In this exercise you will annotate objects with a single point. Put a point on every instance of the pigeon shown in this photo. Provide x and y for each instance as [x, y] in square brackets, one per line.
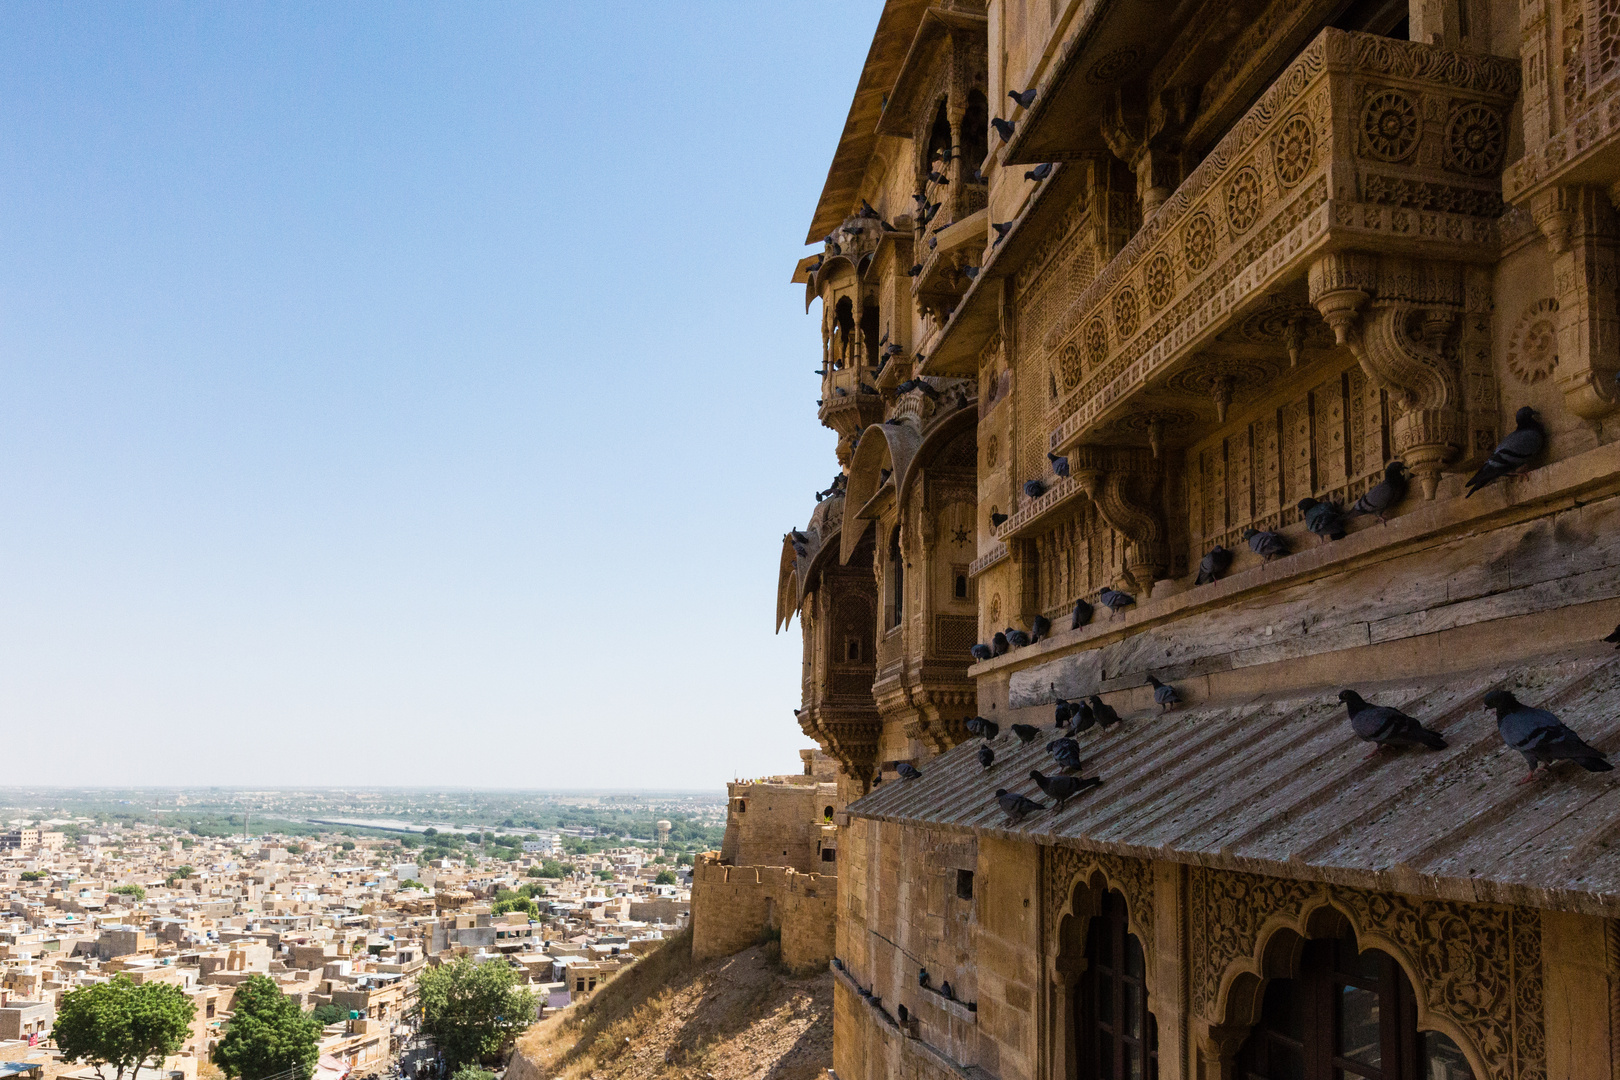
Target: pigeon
[984, 729]
[922, 978]
[907, 771]
[1104, 712]
[905, 1017]
[1039, 627]
[997, 520]
[865, 993]
[1114, 600]
[1015, 805]
[1034, 489]
[987, 757]
[1060, 464]
[1539, 736]
[1082, 614]
[1324, 519]
[1384, 726]
[970, 272]
[1214, 563]
[1025, 99]
[1004, 128]
[1165, 696]
[1512, 454]
[837, 963]
[883, 476]
[1016, 637]
[982, 652]
[1039, 172]
[1083, 719]
[1002, 229]
[1066, 752]
[937, 177]
[1614, 638]
[1062, 712]
[915, 270]
[1063, 788]
[946, 991]
[1379, 499]
[1025, 733]
[1267, 545]
[998, 644]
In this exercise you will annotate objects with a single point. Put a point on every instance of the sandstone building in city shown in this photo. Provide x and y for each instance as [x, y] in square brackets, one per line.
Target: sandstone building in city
[1218, 257]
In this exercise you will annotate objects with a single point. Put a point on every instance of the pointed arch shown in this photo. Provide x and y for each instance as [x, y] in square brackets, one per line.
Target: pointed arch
[883, 446]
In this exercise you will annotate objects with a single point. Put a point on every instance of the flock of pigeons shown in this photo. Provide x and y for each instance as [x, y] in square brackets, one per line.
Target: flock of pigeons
[1538, 735]
[1323, 519]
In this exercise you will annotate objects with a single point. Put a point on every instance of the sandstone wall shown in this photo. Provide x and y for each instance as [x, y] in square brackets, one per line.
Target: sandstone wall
[777, 824]
[733, 905]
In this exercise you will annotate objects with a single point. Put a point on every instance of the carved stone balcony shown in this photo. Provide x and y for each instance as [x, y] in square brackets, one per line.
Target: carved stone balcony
[1364, 144]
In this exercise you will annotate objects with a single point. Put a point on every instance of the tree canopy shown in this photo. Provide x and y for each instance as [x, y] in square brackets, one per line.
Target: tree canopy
[472, 1010]
[123, 1025]
[268, 1034]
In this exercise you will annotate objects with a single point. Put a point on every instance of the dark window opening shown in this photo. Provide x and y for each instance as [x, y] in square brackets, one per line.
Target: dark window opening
[1348, 1015]
[961, 586]
[852, 650]
[1387, 18]
[975, 133]
[827, 812]
[1115, 1033]
[829, 854]
[939, 138]
[869, 332]
[844, 316]
[897, 579]
[964, 884]
[742, 806]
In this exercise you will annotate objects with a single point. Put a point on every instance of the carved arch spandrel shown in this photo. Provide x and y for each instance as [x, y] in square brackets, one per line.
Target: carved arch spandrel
[1475, 968]
[1065, 870]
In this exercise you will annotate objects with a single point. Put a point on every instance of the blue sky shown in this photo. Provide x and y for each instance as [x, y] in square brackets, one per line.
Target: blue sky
[407, 393]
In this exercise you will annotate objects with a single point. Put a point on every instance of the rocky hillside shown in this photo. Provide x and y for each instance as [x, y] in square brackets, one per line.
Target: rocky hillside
[738, 1017]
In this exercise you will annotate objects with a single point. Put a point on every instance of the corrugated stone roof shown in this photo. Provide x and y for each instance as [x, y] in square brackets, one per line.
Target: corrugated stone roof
[1282, 786]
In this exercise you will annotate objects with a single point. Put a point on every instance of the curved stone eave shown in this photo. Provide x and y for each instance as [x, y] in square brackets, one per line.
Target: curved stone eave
[882, 446]
[940, 436]
[814, 562]
[787, 584]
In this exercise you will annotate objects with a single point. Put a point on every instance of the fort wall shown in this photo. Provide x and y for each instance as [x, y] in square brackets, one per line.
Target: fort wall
[734, 906]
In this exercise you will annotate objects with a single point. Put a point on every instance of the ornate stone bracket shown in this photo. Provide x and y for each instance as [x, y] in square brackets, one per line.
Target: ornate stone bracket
[1398, 316]
[1579, 226]
[1124, 486]
[1148, 141]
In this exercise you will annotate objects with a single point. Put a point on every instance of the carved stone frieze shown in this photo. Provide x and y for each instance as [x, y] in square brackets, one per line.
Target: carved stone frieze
[1579, 226]
[1476, 968]
[1064, 869]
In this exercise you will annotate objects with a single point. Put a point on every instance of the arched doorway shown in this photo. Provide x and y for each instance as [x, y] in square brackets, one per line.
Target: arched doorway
[1347, 1014]
[1116, 1037]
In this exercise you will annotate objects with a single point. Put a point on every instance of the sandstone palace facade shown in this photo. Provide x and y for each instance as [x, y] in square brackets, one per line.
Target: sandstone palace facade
[1229, 255]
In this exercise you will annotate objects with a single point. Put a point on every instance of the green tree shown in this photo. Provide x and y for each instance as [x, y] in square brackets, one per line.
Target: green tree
[327, 1014]
[34, 875]
[605, 875]
[516, 903]
[123, 1025]
[535, 871]
[412, 883]
[268, 1034]
[665, 877]
[347, 845]
[136, 891]
[472, 1010]
[472, 1072]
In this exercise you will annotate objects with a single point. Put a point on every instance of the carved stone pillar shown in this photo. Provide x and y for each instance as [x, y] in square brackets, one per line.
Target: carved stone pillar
[1149, 142]
[1579, 226]
[1397, 316]
[1218, 1045]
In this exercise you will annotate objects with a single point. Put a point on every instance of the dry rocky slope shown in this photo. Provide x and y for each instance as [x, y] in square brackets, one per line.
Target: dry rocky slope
[738, 1017]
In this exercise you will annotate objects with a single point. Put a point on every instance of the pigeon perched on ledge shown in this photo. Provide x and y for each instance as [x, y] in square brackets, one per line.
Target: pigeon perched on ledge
[1379, 499]
[1025, 98]
[1034, 489]
[1016, 806]
[1082, 614]
[1267, 545]
[984, 729]
[1016, 637]
[1114, 600]
[1066, 752]
[1039, 172]
[1540, 736]
[1060, 465]
[1026, 734]
[998, 644]
[997, 520]
[1004, 128]
[1104, 712]
[1514, 453]
[1063, 788]
[1215, 562]
[987, 758]
[1322, 518]
[1384, 726]
[1165, 696]
[1040, 626]
[907, 771]
[982, 652]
